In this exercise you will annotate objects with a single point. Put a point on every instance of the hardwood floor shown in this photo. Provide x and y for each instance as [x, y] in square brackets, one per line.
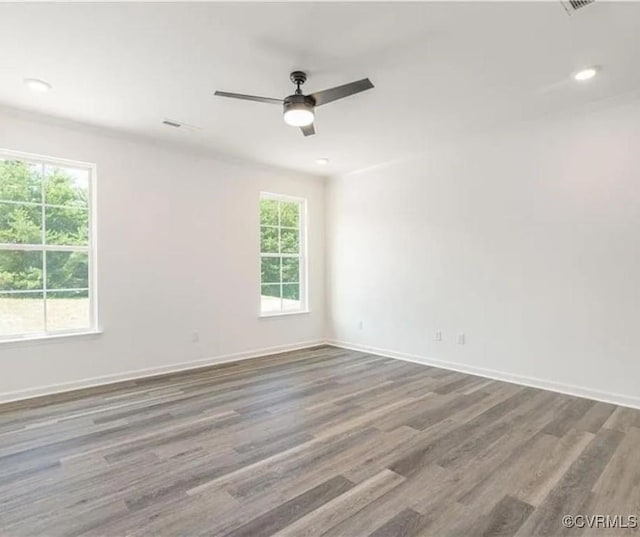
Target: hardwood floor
[321, 442]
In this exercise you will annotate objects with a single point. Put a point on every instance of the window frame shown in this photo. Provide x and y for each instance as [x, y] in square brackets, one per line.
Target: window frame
[302, 256]
[90, 248]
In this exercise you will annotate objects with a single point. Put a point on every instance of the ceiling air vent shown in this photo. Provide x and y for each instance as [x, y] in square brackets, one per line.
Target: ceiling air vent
[574, 5]
[180, 125]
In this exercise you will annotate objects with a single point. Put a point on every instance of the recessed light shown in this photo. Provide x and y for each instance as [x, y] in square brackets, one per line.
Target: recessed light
[36, 84]
[322, 161]
[585, 74]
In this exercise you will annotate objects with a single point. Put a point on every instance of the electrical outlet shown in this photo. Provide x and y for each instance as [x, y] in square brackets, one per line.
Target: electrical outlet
[460, 339]
[360, 325]
[195, 336]
[437, 336]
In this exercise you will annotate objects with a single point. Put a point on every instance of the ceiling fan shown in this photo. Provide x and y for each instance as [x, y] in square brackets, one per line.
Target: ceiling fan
[299, 109]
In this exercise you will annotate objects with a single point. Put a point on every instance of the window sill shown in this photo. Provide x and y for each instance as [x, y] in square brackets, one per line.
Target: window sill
[45, 338]
[283, 314]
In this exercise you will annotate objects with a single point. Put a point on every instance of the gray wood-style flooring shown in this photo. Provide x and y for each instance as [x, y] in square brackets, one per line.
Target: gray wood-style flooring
[321, 442]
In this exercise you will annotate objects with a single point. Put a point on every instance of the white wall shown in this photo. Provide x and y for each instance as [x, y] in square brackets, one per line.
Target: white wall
[178, 251]
[527, 241]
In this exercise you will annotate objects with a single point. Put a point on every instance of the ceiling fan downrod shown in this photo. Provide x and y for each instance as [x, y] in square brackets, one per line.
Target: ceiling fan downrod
[298, 78]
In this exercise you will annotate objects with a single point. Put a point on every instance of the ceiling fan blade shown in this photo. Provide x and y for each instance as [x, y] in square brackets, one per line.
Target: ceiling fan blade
[309, 130]
[255, 98]
[339, 92]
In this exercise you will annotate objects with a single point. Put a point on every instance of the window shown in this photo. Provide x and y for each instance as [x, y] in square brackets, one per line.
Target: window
[46, 247]
[282, 254]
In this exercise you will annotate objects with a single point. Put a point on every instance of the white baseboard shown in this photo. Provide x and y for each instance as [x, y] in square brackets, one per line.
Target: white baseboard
[153, 371]
[568, 389]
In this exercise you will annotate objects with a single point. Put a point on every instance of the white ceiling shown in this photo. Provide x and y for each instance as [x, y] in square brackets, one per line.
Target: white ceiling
[441, 70]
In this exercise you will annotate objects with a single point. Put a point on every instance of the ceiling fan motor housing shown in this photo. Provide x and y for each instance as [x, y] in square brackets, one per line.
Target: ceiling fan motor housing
[299, 102]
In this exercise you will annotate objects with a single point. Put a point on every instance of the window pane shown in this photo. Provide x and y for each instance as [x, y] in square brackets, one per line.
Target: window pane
[289, 214]
[67, 270]
[270, 270]
[268, 212]
[291, 297]
[21, 313]
[20, 181]
[271, 290]
[20, 223]
[68, 310]
[20, 271]
[290, 269]
[290, 241]
[269, 240]
[270, 299]
[66, 186]
[67, 226]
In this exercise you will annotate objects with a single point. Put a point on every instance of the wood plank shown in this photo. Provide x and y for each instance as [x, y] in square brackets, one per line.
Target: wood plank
[407, 523]
[339, 509]
[551, 465]
[505, 518]
[296, 508]
[573, 488]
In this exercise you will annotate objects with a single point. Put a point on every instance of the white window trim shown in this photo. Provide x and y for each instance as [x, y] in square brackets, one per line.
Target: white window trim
[91, 248]
[303, 256]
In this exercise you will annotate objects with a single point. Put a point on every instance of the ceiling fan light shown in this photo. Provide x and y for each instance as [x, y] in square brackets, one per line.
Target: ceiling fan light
[298, 117]
[298, 110]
